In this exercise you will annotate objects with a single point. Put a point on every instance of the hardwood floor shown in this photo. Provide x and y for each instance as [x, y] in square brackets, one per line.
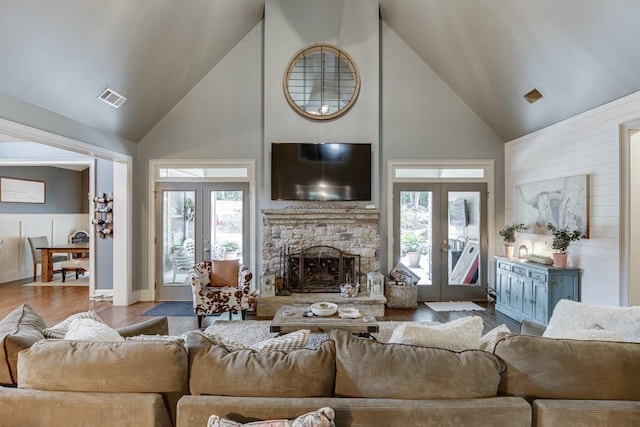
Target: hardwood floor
[55, 304]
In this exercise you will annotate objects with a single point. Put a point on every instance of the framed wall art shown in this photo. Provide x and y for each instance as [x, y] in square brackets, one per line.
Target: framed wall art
[563, 202]
[15, 190]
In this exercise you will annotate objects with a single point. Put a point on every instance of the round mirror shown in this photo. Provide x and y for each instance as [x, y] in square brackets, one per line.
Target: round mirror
[321, 82]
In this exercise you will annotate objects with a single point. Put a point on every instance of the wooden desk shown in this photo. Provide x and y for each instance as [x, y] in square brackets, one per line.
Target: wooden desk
[47, 266]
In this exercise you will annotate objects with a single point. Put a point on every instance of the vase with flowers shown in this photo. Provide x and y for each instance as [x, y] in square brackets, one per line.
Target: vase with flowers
[508, 234]
[562, 238]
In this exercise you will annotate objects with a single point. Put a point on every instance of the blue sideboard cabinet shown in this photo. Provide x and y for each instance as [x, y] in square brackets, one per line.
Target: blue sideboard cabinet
[527, 290]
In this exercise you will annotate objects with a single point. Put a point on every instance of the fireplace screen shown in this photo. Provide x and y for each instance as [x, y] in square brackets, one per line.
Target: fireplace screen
[321, 269]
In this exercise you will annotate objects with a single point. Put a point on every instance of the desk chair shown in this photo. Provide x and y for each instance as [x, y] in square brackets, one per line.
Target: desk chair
[36, 254]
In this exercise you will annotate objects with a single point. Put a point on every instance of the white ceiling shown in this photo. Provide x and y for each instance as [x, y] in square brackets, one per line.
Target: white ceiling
[59, 55]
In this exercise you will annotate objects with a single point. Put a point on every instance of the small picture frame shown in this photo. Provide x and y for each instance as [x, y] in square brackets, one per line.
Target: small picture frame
[268, 285]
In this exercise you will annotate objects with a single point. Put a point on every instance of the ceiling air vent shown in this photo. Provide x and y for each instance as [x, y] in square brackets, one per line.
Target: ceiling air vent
[112, 98]
[533, 96]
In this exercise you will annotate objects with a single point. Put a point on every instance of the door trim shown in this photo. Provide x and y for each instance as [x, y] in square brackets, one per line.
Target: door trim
[489, 178]
[155, 164]
[122, 290]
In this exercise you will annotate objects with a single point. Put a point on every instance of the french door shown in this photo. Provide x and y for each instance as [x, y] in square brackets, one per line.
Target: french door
[440, 234]
[195, 222]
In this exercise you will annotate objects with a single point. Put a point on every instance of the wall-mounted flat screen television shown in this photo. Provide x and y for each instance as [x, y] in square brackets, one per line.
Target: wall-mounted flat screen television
[324, 171]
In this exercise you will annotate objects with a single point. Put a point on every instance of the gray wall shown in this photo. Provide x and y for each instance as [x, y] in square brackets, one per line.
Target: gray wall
[104, 266]
[404, 109]
[423, 119]
[291, 25]
[64, 190]
[220, 118]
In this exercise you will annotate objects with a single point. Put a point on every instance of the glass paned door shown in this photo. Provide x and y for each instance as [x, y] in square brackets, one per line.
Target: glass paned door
[440, 231]
[197, 221]
[226, 224]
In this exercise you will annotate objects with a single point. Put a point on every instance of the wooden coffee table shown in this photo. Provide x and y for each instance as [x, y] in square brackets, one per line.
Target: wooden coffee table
[289, 318]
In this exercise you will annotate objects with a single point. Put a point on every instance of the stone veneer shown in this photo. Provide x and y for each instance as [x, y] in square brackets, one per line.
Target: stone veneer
[353, 230]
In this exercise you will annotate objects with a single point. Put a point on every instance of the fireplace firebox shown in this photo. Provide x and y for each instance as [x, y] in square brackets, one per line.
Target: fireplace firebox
[320, 269]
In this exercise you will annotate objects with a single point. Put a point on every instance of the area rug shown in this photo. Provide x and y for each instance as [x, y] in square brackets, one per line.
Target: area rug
[454, 306]
[171, 308]
[71, 281]
[249, 332]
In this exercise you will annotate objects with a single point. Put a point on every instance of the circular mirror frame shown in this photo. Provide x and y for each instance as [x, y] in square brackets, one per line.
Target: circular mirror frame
[299, 59]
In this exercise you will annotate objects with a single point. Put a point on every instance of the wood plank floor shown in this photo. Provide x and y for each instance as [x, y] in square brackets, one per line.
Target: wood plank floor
[55, 304]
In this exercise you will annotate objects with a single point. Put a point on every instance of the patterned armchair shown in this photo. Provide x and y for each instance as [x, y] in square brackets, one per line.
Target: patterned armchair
[219, 299]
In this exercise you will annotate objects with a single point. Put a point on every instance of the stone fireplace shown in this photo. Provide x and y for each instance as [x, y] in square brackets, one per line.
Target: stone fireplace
[354, 235]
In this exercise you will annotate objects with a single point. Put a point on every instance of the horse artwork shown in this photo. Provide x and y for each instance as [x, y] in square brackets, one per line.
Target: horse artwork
[562, 202]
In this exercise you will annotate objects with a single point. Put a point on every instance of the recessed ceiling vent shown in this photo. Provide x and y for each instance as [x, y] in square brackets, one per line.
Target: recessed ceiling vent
[533, 96]
[112, 98]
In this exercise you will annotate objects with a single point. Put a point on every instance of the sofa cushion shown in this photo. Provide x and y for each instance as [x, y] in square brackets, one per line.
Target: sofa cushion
[586, 413]
[569, 316]
[59, 330]
[549, 368]
[300, 373]
[323, 417]
[18, 331]
[366, 368]
[459, 334]
[128, 366]
[90, 330]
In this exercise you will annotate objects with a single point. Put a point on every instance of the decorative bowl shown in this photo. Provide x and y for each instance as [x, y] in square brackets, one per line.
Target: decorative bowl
[324, 308]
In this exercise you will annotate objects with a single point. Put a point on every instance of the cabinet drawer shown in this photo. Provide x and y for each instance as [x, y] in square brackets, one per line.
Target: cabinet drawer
[540, 277]
[519, 270]
[504, 266]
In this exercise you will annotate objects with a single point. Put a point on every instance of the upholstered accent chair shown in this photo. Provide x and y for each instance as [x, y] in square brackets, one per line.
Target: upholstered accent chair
[36, 254]
[225, 295]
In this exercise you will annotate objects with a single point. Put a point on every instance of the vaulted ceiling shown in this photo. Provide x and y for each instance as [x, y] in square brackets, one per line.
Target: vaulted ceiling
[59, 55]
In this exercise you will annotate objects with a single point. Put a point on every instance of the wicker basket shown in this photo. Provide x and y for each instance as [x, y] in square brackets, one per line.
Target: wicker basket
[401, 295]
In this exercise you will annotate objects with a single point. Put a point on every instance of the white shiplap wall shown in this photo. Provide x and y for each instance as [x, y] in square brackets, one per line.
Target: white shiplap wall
[588, 143]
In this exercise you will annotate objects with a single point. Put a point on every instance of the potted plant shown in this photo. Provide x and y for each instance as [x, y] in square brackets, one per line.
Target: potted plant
[562, 238]
[508, 234]
[413, 245]
[230, 249]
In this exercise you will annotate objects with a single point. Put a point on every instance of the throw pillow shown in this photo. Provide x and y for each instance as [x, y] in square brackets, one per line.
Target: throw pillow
[285, 343]
[58, 331]
[91, 330]
[457, 335]
[224, 272]
[488, 341]
[18, 331]
[164, 338]
[323, 417]
[571, 316]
